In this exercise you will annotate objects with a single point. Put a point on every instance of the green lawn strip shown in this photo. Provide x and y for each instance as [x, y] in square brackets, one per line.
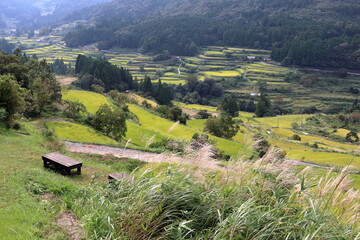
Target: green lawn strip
[170, 129]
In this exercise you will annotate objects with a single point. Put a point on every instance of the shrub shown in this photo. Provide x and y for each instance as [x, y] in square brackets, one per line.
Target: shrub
[223, 126]
[111, 123]
[296, 137]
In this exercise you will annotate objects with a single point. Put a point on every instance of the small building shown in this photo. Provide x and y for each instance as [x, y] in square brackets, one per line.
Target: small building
[255, 94]
[267, 59]
[251, 58]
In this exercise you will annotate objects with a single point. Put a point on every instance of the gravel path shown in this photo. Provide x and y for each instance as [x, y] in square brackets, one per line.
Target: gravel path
[135, 154]
[155, 157]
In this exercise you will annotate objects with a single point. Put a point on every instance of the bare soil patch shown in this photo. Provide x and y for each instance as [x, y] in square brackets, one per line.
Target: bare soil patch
[65, 80]
[68, 222]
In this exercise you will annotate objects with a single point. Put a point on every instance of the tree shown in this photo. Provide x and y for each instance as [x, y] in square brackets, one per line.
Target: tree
[74, 110]
[203, 114]
[110, 122]
[11, 99]
[352, 136]
[263, 107]
[229, 106]
[163, 94]
[223, 126]
[147, 86]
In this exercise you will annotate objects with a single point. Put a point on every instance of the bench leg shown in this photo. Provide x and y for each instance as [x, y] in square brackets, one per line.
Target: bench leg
[46, 164]
[79, 171]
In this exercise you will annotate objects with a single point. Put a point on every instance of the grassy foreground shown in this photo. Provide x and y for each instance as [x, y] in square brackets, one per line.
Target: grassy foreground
[26, 211]
[167, 201]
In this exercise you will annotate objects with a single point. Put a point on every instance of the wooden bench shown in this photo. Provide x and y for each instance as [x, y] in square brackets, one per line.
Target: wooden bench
[119, 176]
[62, 163]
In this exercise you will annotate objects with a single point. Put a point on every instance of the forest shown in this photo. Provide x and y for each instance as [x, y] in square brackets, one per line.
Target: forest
[294, 39]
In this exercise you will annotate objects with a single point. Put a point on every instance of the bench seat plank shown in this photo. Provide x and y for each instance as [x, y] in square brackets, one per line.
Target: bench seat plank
[61, 159]
[62, 163]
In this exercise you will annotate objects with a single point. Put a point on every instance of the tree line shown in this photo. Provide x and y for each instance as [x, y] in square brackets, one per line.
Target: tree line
[101, 73]
[27, 87]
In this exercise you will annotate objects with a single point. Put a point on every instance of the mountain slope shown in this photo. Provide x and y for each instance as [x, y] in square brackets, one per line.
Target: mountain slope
[36, 13]
[302, 32]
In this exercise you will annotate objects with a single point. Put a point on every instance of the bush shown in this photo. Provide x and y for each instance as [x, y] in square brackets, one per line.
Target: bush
[111, 123]
[223, 126]
[296, 137]
[202, 114]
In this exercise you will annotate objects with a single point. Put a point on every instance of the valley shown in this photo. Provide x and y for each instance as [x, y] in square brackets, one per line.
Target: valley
[184, 119]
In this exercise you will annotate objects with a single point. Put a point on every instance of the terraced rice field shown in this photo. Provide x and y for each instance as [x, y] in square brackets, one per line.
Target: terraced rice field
[178, 131]
[92, 101]
[79, 133]
[266, 73]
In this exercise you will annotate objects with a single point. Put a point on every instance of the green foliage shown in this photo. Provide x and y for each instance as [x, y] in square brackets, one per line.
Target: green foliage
[75, 110]
[198, 92]
[263, 107]
[163, 94]
[296, 137]
[111, 76]
[300, 32]
[261, 145]
[172, 113]
[147, 86]
[11, 99]
[202, 114]
[223, 126]
[5, 46]
[352, 136]
[111, 123]
[59, 67]
[230, 106]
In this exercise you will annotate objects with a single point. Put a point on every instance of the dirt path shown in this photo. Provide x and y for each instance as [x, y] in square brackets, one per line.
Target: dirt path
[297, 162]
[155, 157]
[68, 222]
[135, 154]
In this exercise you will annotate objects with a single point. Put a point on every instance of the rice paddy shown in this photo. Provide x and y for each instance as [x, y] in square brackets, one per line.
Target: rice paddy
[79, 133]
[92, 101]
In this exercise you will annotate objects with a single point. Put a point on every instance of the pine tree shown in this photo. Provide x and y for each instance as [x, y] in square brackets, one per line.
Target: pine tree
[147, 86]
[263, 107]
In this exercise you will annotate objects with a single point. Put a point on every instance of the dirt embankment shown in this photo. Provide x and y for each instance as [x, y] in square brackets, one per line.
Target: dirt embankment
[65, 80]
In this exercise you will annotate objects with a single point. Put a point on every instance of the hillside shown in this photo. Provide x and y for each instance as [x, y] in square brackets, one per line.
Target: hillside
[306, 33]
[25, 15]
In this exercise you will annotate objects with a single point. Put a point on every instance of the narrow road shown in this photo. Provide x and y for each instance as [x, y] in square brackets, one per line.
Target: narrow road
[135, 154]
[155, 157]
[182, 63]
